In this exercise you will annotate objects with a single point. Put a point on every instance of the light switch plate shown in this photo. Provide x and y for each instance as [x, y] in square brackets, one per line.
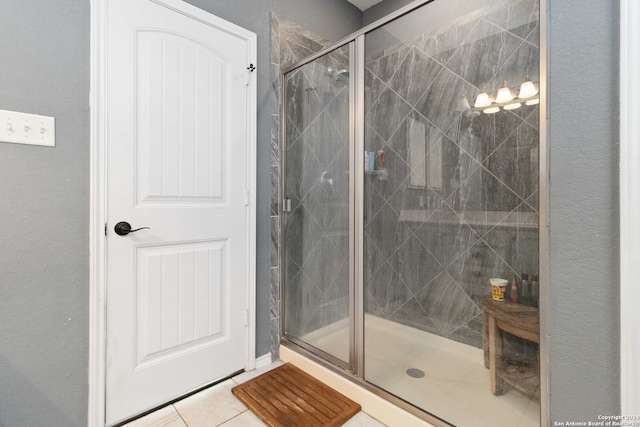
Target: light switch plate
[24, 128]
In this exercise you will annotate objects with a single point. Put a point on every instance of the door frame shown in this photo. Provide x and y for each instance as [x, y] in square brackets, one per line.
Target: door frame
[98, 186]
[629, 206]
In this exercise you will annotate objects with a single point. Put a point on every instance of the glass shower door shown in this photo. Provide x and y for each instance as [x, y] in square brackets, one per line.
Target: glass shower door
[451, 201]
[316, 250]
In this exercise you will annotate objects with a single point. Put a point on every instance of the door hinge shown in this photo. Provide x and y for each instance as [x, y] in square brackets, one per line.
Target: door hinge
[246, 318]
[247, 198]
[105, 228]
[286, 205]
[251, 68]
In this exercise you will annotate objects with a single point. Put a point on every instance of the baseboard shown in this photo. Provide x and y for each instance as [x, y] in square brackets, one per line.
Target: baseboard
[264, 360]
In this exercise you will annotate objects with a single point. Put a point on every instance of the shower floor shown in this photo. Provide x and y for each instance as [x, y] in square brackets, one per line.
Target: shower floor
[456, 383]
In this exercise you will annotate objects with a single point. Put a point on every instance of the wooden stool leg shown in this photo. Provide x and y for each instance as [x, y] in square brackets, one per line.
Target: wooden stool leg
[495, 357]
[485, 337]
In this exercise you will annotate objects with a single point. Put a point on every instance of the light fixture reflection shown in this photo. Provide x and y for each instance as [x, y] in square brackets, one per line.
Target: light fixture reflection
[527, 90]
[491, 110]
[504, 95]
[512, 106]
[533, 101]
[482, 100]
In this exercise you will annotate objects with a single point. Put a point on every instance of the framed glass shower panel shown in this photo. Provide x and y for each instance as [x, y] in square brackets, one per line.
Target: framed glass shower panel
[450, 201]
[316, 227]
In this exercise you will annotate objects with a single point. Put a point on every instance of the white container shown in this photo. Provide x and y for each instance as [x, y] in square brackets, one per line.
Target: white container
[498, 288]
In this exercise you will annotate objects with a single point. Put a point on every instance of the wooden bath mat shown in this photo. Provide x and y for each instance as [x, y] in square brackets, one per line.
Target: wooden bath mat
[287, 397]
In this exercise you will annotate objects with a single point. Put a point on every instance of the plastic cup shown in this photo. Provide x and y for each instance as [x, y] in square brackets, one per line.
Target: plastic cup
[498, 288]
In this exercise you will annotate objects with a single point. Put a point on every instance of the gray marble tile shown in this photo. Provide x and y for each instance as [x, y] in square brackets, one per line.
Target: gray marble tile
[387, 114]
[483, 53]
[386, 231]
[385, 67]
[453, 310]
[448, 238]
[301, 234]
[276, 84]
[275, 190]
[443, 45]
[275, 337]
[521, 64]
[534, 36]
[513, 247]
[323, 264]
[302, 103]
[444, 102]
[414, 264]
[414, 76]
[338, 111]
[412, 314]
[515, 161]
[327, 313]
[475, 267]
[534, 117]
[519, 17]
[275, 139]
[386, 290]
[469, 333]
[275, 292]
[323, 140]
[373, 87]
[275, 239]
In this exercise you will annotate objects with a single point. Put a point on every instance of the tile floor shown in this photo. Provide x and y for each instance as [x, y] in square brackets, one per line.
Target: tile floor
[216, 406]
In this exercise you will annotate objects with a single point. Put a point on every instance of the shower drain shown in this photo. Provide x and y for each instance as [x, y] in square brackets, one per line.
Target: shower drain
[415, 373]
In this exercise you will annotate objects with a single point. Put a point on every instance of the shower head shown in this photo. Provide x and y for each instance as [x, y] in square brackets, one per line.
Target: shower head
[336, 74]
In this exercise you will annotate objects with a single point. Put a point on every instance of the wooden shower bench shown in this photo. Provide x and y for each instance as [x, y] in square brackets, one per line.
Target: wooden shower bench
[521, 321]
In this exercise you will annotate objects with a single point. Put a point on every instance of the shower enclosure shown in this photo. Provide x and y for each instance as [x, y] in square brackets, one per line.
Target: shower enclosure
[410, 178]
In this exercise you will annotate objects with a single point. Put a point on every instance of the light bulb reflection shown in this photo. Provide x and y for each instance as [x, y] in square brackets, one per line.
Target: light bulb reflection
[482, 100]
[504, 95]
[491, 110]
[527, 90]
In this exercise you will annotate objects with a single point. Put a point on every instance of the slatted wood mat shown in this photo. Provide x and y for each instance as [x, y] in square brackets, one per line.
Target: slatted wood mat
[288, 397]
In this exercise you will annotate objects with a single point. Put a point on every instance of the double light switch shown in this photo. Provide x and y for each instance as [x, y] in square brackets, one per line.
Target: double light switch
[24, 128]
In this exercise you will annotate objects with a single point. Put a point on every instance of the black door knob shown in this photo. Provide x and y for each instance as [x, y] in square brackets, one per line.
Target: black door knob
[123, 228]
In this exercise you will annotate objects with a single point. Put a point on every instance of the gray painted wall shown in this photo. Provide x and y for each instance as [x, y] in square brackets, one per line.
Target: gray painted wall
[44, 212]
[584, 211]
[583, 134]
[44, 193]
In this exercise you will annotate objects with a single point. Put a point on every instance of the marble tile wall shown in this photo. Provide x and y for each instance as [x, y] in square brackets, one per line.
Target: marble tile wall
[465, 209]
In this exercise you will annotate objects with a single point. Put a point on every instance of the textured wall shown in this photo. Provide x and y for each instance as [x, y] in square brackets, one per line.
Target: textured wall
[44, 248]
[583, 68]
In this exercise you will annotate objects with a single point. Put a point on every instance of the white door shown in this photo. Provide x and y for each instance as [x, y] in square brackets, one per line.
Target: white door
[179, 146]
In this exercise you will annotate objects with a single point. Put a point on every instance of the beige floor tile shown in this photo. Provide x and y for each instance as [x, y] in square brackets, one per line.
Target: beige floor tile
[210, 407]
[246, 419]
[246, 376]
[165, 417]
[362, 420]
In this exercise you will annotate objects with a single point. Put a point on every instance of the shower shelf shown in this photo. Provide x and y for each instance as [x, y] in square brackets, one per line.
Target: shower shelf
[488, 218]
[382, 174]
